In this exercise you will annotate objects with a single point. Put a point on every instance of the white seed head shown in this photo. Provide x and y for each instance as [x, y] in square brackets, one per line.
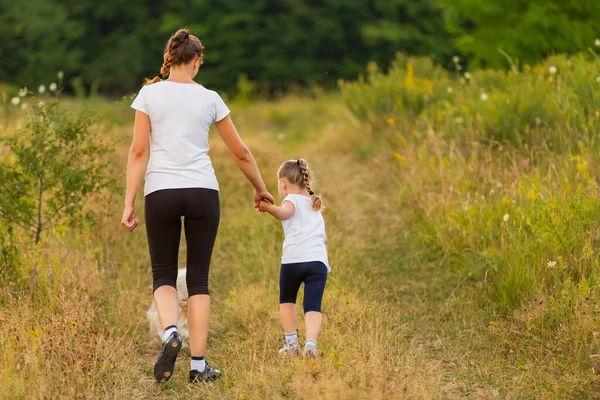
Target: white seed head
[552, 69]
[52, 87]
[505, 218]
[60, 75]
[597, 42]
[456, 59]
[42, 89]
[449, 89]
[483, 96]
[15, 101]
[467, 75]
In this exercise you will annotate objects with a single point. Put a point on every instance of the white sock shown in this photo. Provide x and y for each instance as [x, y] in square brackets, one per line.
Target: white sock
[310, 342]
[198, 364]
[168, 331]
[291, 338]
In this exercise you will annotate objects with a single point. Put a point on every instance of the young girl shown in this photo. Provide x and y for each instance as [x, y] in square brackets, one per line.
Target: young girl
[304, 254]
[174, 115]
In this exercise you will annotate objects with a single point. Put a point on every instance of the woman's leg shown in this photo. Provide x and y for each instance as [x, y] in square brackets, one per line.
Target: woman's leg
[201, 223]
[163, 210]
[314, 286]
[163, 227]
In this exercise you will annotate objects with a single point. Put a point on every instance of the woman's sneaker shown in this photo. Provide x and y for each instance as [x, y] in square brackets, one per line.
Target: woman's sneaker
[165, 363]
[310, 351]
[288, 350]
[209, 374]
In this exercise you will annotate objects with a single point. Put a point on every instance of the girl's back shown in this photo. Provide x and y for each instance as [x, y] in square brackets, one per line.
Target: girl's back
[304, 233]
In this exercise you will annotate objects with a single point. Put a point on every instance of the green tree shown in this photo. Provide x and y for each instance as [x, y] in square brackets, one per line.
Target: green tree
[54, 165]
[527, 30]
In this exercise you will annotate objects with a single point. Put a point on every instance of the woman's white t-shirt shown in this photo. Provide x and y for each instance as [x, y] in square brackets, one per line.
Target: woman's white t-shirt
[304, 233]
[181, 115]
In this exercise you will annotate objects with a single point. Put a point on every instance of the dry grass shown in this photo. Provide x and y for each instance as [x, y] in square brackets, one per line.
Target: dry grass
[399, 321]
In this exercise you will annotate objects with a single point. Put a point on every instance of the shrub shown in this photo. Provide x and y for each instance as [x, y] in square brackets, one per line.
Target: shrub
[54, 165]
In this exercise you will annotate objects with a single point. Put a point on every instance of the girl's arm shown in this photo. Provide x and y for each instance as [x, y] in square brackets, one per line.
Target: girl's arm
[281, 213]
[243, 158]
[136, 166]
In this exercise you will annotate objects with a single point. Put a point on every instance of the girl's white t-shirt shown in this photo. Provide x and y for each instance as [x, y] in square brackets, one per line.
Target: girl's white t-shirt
[304, 233]
[181, 115]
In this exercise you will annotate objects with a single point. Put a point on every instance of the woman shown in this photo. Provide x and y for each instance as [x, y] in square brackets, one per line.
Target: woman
[175, 116]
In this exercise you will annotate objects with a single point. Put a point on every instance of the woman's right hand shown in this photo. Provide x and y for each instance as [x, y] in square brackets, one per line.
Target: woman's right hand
[263, 195]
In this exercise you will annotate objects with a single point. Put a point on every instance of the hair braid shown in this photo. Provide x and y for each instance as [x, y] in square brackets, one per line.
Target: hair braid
[181, 48]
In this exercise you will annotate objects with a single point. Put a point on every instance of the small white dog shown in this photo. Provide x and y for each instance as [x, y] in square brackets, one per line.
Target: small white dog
[156, 329]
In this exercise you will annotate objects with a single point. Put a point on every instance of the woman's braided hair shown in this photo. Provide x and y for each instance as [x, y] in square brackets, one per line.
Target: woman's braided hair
[181, 48]
[297, 173]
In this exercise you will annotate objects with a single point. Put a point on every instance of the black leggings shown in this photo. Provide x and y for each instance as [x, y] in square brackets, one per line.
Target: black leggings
[314, 276]
[201, 213]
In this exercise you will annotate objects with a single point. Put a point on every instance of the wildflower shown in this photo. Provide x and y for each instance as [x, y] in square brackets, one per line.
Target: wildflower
[598, 79]
[42, 89]
[22, 92]
[52, 87]
[462, 80]
[24, 106]
[456, 59]
[505, 218]
[15, 101]
[467, 75]
[551, 264]
[449, 89]
[390, 121]
[60, 75]
[483, 96]
[597, 42]
[552, 69]
[281, 136]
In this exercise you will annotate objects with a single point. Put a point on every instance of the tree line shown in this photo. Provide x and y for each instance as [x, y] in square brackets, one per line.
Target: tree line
[110, 46]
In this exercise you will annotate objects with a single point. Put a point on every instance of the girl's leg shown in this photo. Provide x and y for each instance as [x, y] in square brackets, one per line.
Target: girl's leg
[313, 319]
[201, 223]
[290, 279]
[314, 286]
[287, 312]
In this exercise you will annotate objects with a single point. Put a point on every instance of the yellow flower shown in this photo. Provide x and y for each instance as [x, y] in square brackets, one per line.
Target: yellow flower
[390, 121]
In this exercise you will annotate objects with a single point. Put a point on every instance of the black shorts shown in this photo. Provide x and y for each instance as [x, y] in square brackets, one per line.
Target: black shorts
[164, 210]
[314, 276]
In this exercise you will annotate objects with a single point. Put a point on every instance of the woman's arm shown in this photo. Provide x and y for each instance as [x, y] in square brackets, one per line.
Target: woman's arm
[136, 166]
[243, 158]
[281, 213]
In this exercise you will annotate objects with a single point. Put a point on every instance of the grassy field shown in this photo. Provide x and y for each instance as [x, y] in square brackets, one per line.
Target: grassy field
[463, 266]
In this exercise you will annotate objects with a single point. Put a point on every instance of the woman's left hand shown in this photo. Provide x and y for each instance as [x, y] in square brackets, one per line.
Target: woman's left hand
[129, 220]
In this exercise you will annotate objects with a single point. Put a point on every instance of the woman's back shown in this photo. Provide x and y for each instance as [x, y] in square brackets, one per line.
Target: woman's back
[181, 115]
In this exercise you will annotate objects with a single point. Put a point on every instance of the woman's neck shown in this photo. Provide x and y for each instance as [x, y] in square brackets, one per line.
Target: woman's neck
[180, 75]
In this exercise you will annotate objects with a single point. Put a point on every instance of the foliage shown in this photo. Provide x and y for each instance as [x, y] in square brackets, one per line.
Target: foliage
[54, 166]
[112, 45]
[525, 31]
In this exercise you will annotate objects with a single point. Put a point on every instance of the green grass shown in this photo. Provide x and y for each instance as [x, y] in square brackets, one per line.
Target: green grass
[432, 295]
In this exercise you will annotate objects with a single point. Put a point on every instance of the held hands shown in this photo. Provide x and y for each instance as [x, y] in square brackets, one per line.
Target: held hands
[262, 197]
[129, 220]
[263, 206]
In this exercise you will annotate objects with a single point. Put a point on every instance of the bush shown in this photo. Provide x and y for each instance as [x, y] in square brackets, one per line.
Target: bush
[54, 165]
[409, 87]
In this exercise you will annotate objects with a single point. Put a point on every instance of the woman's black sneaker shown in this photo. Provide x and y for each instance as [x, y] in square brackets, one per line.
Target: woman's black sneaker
[165, 363]
[209, 374]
